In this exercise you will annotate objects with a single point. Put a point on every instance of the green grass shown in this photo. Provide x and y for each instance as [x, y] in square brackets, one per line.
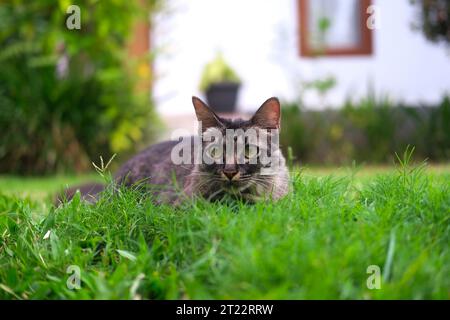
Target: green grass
[316, 243]
[39, 188]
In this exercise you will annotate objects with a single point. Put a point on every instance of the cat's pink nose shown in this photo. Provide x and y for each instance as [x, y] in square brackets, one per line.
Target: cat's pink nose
[230, 174]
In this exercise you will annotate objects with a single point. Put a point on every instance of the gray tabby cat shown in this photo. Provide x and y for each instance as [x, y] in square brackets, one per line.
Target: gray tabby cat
[223, 177]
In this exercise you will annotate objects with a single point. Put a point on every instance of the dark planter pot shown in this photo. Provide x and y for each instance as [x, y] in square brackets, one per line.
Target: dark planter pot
[222, 96]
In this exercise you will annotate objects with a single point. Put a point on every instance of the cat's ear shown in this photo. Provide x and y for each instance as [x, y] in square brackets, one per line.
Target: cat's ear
[268, 115]
[204, 114]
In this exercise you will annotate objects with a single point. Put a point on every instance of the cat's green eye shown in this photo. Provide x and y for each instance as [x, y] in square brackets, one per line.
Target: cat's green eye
[251, 151]
[215, 153]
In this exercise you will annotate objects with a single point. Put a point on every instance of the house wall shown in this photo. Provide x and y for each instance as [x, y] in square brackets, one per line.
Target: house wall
[260, 40]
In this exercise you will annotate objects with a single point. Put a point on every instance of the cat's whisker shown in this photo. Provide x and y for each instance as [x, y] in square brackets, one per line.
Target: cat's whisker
[264, 184]
[206, 182]
[202, 183]
[248, 185]
[215, 194]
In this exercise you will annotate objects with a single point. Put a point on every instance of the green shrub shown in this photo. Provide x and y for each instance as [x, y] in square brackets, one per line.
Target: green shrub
[375, 119]
[68, 96]
[439, 131]
[216, 71]
[370, 131]
[292, 133]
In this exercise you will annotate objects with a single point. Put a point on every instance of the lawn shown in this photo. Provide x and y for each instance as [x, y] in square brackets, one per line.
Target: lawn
[316, 243]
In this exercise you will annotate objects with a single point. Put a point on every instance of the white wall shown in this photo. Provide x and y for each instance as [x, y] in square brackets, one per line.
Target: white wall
[259, 39]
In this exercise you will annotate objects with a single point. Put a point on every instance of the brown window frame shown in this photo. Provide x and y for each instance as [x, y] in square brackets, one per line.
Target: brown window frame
[365, 47]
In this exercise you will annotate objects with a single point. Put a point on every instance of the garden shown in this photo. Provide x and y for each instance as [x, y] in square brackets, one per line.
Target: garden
[368, 215]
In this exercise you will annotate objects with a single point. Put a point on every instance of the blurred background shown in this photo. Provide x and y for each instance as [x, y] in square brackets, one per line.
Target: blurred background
[358, 79]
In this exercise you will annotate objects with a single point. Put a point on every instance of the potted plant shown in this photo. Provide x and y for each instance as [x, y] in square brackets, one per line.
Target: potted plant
[220, 83]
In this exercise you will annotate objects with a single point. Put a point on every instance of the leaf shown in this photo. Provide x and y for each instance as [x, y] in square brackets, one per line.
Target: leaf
[47, 235]
[9, 290]
[9, 252]
[127, 254]
[389, 258]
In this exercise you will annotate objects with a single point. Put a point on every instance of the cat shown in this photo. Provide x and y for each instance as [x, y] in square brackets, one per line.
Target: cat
[218, 173]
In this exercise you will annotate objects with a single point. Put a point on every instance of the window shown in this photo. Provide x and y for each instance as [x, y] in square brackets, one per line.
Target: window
[334, 27]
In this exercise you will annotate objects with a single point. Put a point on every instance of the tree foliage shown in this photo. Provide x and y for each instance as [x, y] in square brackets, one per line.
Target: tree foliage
[68, 96]
[434, 19]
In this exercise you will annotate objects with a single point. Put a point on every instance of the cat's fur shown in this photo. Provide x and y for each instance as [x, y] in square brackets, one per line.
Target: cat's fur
[154, 170]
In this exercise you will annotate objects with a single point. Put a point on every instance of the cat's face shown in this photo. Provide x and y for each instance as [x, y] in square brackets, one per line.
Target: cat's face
[239, 155]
